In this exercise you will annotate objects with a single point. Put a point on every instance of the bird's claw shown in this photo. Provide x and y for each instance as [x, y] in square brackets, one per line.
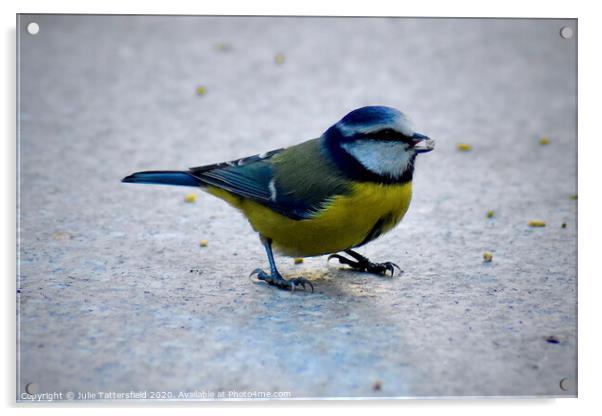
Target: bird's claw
[342, 260]
[383, 268]
[256, 271]
[282, 283]
[364, 265]
[300, 281]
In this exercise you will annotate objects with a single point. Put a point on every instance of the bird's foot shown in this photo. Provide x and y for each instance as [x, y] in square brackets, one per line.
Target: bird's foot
[280, 282]
[362, 264]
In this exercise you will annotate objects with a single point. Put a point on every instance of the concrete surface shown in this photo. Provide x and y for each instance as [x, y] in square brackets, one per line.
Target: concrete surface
[116, 295]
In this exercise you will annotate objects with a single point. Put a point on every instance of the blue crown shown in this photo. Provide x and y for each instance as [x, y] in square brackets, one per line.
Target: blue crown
[370, 115]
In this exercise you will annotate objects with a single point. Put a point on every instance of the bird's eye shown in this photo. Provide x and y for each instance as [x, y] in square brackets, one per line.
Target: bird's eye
[390, 134]
[387, 133]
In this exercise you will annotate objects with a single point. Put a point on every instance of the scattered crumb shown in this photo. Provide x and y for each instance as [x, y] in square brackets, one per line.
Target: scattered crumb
[298, 260]
[544, 140]
[552, 340]
[61, 236]
[563, 225]
[279, 58]
[223, 47]
[200, 90]
[191, 197]
[490, 213]
[487, 256]
[203, 243]
[377, 385]
[464, 147]
[537, 223]
[574, 197]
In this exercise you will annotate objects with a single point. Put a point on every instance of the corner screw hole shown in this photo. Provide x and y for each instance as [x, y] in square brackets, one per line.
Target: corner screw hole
[565, 384]
[566, 32]
[33, 28]
[31, 388]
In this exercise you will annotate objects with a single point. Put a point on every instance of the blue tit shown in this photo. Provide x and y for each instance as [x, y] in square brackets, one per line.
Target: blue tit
[327, 195]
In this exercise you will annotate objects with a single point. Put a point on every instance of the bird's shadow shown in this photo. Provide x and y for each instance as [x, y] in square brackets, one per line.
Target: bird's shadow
[332, 282]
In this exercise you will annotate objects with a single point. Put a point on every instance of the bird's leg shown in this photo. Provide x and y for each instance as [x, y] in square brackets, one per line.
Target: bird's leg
[363, 264]
[275, 278]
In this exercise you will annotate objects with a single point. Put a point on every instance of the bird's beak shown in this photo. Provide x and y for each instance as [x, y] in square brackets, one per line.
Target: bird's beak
[422, 143]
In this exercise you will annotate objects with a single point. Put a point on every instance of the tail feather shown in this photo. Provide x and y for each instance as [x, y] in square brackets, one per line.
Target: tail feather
[163, 177]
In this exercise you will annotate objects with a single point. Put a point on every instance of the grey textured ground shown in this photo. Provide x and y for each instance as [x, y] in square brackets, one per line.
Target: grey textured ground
[107, 298]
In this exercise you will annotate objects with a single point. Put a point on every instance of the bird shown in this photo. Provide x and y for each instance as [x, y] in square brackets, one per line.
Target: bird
[328, 195]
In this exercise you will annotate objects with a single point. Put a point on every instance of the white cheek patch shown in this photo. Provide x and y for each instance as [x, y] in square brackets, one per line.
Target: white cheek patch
[380, 157]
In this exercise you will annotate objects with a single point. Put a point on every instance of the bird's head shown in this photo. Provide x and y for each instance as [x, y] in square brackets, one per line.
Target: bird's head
[376, 143]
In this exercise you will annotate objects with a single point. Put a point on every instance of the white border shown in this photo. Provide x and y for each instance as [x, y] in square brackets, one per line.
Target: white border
[590, 209]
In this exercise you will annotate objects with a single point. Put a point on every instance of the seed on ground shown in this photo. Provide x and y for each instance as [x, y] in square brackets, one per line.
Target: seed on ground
[537, 223]
[191, 197]
[223, 47]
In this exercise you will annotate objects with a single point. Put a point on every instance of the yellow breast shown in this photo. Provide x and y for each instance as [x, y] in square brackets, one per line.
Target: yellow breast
[348, 220]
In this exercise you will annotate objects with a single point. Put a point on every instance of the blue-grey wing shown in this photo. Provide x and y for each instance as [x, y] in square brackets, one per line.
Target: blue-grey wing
[248, 177]
[295, 183]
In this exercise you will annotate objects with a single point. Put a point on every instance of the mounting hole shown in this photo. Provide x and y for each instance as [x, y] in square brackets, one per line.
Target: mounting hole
[565, 384]
[33, 28]
[31, 388]
[566, 32]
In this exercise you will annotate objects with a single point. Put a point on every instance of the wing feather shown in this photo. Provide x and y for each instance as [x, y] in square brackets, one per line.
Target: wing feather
[296, 182]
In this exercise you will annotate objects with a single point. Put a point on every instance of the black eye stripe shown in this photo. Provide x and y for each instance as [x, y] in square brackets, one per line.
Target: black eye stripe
[389, 134]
